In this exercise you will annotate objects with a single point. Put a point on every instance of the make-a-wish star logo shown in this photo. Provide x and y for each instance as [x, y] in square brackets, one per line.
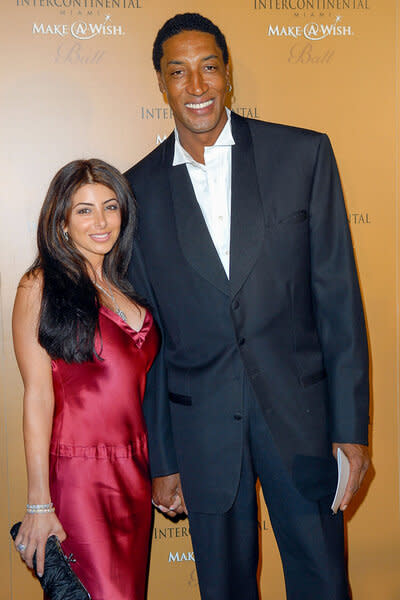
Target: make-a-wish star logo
[311, 31]
[81, 30]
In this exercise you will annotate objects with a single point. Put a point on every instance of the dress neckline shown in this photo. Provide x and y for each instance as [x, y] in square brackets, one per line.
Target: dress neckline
[138, 335]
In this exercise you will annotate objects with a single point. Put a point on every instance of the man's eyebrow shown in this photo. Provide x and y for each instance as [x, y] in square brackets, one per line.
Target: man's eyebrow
[181, 62]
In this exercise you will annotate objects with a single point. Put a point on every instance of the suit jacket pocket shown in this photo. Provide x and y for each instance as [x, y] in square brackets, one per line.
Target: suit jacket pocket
[297, 217]
[180, 399]
[307, 380]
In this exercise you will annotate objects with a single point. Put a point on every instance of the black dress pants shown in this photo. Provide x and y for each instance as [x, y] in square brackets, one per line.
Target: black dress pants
[309, 537]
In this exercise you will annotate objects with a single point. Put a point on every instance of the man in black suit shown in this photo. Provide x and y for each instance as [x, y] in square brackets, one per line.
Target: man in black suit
[244, 254]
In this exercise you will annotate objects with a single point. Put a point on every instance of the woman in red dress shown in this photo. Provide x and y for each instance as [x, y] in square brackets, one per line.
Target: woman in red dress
[84, 345]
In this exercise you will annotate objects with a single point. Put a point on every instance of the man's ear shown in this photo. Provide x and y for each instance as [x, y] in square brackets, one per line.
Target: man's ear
[228, 74]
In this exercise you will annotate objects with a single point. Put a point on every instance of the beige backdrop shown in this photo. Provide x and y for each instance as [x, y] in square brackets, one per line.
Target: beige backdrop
[71, 88]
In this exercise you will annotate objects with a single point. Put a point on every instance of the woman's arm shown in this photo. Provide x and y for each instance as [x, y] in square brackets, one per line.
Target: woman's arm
[35, 367]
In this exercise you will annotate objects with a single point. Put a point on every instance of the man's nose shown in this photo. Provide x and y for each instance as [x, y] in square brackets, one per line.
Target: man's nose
[197, 86]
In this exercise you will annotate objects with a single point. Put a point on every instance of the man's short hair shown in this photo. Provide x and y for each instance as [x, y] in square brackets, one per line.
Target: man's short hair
[187, 22]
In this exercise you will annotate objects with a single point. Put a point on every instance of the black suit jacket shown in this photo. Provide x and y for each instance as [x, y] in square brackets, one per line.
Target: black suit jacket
[290, 317]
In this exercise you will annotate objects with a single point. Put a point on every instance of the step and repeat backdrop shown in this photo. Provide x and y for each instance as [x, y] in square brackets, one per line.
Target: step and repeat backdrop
[77, 81]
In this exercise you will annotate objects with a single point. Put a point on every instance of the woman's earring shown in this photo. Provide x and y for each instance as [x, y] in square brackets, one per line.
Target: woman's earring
[66, 236]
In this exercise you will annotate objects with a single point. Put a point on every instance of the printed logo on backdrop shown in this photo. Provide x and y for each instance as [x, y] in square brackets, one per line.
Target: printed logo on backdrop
[179, 557]
[314, 32]
[359, 218]
[263, 526]
[89, 23]
[160, 138]
[76, 35]
[323, 23]
[183, 558]
[176, 559]
[309, 37]
[161, 534]
[80, 5]
[170, 533]
[80, 30]
[311, 7]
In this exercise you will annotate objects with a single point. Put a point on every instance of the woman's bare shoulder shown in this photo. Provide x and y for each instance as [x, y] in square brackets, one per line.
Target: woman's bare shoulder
[29, 291]
[33, 360]
[32, 279]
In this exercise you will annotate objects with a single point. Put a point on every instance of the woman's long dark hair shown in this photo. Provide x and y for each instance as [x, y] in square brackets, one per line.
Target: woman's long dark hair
[70, 302]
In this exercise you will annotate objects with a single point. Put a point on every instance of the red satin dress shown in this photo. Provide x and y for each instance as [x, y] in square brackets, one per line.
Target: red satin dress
[99, 475]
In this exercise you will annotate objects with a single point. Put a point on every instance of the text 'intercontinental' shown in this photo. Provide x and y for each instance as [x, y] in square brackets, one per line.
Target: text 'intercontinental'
[77, 4]
[311, 4]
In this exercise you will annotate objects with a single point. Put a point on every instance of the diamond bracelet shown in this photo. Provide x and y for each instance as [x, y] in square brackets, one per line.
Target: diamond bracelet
[40, 508]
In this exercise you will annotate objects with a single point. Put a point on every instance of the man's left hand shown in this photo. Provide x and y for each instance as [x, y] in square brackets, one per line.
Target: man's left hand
[358, 456]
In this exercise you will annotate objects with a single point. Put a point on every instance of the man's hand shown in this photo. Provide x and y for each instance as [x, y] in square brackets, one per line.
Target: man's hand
[359, 462]
[168, 496]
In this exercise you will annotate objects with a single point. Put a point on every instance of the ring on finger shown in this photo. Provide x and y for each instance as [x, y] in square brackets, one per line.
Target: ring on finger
[21, 547]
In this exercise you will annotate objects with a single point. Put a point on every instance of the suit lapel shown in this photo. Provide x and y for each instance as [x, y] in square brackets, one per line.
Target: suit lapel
[193, 234]
[247, 217]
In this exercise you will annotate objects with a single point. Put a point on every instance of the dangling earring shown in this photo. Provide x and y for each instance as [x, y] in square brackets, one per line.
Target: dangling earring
[229, 87]
[66, 236]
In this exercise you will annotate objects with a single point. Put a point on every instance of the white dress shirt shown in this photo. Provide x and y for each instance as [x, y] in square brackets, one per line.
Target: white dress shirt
[212, 186]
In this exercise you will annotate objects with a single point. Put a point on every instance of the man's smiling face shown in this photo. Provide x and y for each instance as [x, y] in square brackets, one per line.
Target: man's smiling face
[194, 78]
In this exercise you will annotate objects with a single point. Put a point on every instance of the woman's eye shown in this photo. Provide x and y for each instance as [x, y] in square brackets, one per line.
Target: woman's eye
[83, 211]
[113, 207]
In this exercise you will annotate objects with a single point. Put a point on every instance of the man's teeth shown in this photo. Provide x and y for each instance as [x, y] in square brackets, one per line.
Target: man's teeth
[200, 104]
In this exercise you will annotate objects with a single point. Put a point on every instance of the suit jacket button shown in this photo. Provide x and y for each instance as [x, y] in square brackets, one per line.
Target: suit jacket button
[237, 417]
[235, 304]
[241, 341]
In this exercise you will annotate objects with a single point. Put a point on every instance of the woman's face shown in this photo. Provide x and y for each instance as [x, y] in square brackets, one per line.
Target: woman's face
[94, 221]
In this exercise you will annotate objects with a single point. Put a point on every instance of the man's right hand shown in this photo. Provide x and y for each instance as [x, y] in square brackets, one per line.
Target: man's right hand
[168, 496]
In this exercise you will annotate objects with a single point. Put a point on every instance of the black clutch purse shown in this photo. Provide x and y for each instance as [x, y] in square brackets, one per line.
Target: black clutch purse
[59, 582]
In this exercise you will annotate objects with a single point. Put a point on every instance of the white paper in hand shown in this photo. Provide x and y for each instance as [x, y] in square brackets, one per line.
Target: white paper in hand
[343, 477]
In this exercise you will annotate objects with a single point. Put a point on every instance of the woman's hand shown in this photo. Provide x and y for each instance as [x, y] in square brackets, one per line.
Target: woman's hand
[33, 534]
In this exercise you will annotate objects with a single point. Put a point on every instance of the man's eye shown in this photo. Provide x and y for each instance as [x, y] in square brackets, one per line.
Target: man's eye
[176, 73]
[210, 68]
